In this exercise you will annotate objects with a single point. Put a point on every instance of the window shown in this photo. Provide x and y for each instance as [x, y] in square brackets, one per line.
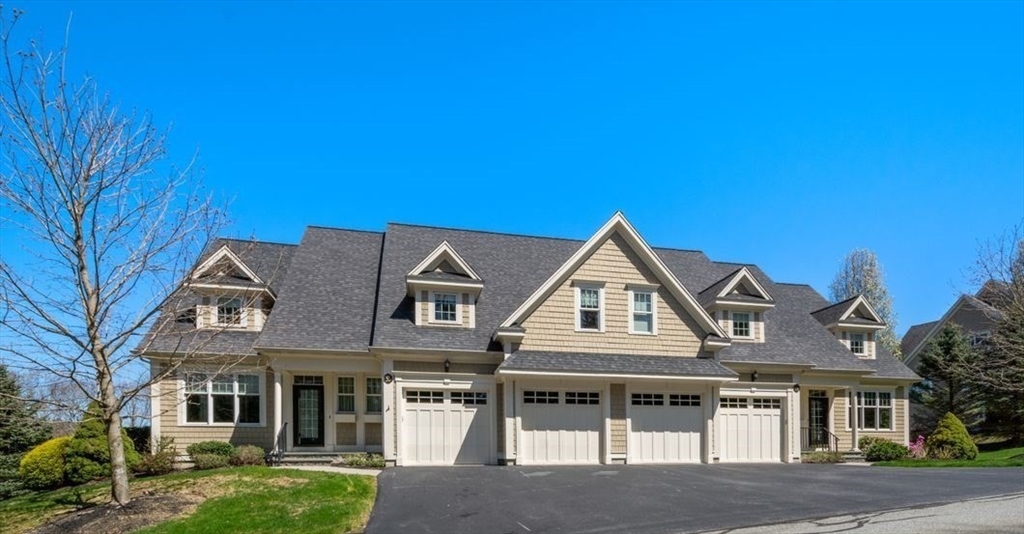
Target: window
[741, 324]
[643, 312]
[874, 410]
[684, 400]
[648, 399]
[346, 394]
[767, 404]
[589, 304]
[424, 397]
[223, 399]
[469, 398]
[733, 402]
[540, 397]
[229, 311]
[374, 390]
[582, 397]
[979, 338]
[444, 307]
[857, 343]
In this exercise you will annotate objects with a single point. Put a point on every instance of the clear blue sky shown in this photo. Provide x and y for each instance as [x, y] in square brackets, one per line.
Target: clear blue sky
[778, 134]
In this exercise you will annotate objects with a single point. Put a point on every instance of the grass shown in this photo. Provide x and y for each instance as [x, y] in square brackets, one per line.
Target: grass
[1001, 458]
[247, 499]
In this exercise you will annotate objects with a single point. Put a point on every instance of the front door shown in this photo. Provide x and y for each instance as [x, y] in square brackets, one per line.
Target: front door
[309, 415]
[819, 422]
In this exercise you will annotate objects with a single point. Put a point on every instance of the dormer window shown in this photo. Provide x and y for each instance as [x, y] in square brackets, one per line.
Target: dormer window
[445, 307]
[857, 343]
[229, 311]
[741, 324]
[589, 308]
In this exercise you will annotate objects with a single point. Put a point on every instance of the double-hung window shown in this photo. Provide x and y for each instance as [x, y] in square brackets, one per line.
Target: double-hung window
[229, 311]
[346, 394]
[642, 309]
[374, 395]
[857, 342]
[741, 324]
[588, 308]
[874, 410]
[222, 399]
[445, 307]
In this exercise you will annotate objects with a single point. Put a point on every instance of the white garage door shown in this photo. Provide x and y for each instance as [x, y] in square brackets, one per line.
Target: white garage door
[665, 428]
[561, 427]
[751, 429]
[446, 427]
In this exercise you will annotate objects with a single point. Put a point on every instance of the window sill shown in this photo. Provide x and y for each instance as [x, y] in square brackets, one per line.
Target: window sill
[373, 418]
[589, 331]
[649, 334]
[344, 418]
[222, 425]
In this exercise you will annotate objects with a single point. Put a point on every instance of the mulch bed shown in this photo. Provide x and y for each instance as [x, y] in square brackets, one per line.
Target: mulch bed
[142, 511]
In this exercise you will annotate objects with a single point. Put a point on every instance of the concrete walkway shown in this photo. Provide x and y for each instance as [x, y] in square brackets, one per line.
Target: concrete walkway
[332, 469]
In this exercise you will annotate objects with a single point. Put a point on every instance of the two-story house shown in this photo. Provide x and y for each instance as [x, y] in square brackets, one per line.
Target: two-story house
[438, 346]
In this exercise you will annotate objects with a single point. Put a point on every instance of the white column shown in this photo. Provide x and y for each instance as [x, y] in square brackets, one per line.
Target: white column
[278, 410]
[606, 443]
[361, 411]
[854, 421]
[793, 398]
[390, 409]
[154, 406]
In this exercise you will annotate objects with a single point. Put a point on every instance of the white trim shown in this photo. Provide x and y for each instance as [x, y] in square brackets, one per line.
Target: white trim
[181, 385]
[744, 273]
[600, 305]
[891, 390]
[431, 312]
[225, 252]
[857, 302]
[444, 248]
[618, 223]
[557, 374]
[750, 326]
[653, 292]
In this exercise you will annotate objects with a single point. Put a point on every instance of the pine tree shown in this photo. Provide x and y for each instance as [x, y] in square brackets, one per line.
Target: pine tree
[20, 430]
[949, 385]
[861, 274]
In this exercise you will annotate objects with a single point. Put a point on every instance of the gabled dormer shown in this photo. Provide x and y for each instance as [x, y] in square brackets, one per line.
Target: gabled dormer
[445, 289]
[738, 302]
[854, 323]
[231, 294]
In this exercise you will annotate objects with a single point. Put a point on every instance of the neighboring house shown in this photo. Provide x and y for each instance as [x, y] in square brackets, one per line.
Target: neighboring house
[975, 314]
[438, 346]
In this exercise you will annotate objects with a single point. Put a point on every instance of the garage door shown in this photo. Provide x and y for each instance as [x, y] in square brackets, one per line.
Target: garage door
[561, 427]
[751, 429]
[446, 427]
[665, 427]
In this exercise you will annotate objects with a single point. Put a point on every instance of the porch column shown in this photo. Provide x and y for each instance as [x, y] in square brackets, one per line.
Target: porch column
[278, 410]
[854, 421]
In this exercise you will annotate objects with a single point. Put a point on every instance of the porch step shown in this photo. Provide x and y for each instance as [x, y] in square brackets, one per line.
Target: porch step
[852, 457]
[309, 458]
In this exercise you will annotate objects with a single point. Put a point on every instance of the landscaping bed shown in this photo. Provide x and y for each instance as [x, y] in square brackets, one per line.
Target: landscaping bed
[1002, 458]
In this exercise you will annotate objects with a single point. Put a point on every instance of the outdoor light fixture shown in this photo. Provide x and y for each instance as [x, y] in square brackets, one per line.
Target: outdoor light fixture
[796, 388]
[753, 376]
[447, 365]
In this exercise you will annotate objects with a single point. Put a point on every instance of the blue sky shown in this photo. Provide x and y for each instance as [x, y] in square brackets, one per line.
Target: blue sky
[778, 134]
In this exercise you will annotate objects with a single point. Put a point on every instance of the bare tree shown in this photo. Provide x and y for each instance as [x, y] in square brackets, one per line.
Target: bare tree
[861, 274]
[999, 270]
[107, 231]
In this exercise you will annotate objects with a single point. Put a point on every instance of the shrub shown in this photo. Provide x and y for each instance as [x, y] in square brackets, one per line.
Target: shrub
[950, 441]
[865, 442]
[249, 455]
[209, 461]
[88, 453]
[140, 436]
[883, 450]
[219, 448]
[918, 450]
[43, 466]
[160, 462]
[374, 461]
[823, 457]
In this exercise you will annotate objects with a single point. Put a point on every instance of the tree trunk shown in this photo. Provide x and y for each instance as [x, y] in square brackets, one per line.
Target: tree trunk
[118, 466]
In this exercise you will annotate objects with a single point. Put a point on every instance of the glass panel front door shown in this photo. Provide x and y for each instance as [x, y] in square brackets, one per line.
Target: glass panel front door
[819, 422]
[309, 415]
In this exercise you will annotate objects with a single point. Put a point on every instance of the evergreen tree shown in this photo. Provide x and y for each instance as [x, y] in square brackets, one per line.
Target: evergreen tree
[949, 386]
[861, 274]
[20, 430]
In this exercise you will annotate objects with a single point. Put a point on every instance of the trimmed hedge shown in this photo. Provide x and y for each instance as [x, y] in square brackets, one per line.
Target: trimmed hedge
[209, 461]
[43, 467]
[883, 450]
[950, 441]
[219, 448]
[249, 455]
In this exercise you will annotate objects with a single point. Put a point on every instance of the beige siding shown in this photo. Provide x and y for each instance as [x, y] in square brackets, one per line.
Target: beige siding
[552, 326]
[346, 434]
[618, 423]
[185, 435]
[465, 309]
[373, 434]
[424, 308]
[839, 405]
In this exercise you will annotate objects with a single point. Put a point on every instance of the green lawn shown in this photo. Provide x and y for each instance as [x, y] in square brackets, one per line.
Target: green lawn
[249, 499]
[1002, 458]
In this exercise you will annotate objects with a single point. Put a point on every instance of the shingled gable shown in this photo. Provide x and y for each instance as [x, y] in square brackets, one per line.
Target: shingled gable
[444, 255]
[224, 255]
[619, 224]
[932, 328]
[852, 311]
[740, 286]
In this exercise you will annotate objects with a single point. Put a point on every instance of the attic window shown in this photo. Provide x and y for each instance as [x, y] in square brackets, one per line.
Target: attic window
[444, 307]
[588, 304]
[857, 342]
[741, 324]
[229, 311]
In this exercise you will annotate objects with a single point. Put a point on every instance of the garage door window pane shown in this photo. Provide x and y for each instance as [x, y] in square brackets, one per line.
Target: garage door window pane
[540, 397]
[733, 402]
[424, 397]
[684, 400]
[582, 397]
[469, 398]
[648, 399]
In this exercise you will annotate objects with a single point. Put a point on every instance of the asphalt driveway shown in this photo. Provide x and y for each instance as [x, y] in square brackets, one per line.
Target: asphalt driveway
[660, 498]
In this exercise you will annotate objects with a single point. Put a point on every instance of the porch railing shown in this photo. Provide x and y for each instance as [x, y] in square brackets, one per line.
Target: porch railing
[276, 455]
[816, 439]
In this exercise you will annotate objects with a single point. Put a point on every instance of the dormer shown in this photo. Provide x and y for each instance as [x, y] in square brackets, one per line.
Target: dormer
[854, 323]
[444, 289]
[231, 294]
[738, 302]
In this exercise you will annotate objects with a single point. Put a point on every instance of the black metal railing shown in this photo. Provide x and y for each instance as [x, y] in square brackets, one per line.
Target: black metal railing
[818, 439]
[280, 442]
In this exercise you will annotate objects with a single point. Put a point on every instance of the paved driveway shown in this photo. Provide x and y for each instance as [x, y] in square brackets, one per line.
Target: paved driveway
[659, 498]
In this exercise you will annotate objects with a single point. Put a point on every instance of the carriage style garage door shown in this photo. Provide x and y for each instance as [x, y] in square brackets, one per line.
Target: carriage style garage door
[441, 427]
[665, 427]
[750, 429]
[561, 427]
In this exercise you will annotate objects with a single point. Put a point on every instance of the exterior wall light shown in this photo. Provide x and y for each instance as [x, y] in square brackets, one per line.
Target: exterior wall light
[447, 365]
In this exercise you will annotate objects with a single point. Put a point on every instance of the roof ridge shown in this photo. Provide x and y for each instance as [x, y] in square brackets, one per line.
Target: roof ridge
[798, 284]
[338, 229]
[844, 301]
[257, 241]
[492, 232]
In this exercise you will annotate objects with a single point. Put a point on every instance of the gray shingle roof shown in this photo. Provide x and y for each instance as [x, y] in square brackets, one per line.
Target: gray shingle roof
[830, 314]
[327, 302]
[614, 364]
[914, 336]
